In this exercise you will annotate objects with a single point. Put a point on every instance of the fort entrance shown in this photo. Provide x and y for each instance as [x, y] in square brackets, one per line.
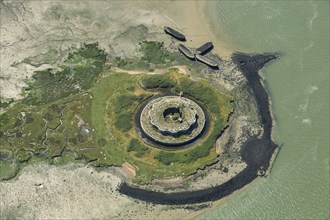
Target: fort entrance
[172, 120]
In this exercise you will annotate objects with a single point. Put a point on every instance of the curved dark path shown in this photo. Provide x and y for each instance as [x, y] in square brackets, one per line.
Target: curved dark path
[255, 152]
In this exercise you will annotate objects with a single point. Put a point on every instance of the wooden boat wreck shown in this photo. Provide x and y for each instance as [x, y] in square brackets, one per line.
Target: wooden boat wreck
[206, 60]
[204, 48]
[174, 33]
[186, 51]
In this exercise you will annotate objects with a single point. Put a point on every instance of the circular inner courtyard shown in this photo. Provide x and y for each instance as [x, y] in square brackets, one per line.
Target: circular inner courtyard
[172, 120]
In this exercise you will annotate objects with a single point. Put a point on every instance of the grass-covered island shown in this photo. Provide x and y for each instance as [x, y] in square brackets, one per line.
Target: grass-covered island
[87, 110]
[75, 78]
[84, 111]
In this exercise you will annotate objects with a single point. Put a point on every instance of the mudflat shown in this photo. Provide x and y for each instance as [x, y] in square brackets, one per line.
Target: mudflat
[44, 34]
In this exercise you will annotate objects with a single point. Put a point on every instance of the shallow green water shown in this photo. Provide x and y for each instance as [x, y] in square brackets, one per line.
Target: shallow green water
[298, 187]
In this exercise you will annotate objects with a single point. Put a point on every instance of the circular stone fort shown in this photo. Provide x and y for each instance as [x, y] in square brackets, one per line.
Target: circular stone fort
[172, 120]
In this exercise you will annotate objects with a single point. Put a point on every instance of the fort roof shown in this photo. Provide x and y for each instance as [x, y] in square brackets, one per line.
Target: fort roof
[172, 120]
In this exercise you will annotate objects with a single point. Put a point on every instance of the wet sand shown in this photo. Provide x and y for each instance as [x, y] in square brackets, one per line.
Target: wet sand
[75, 191]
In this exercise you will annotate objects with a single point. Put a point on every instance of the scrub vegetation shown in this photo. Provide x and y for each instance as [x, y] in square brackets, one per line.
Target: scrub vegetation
[217, 104]
[169, 163]
[139, 149]
[158, 82]
[154, 52]
[154, 55]
[78, 73]
[84, 113]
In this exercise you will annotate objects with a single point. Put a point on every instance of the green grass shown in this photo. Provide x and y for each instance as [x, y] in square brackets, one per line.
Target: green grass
[23, 136]
[6, 104]
[165, 163]
[45, 124]
[107, 110]
[79, 72]
[154, 55]
[106, 93]
[158, 81]
[218, 105]
[124, 121]
[4, 119]
[202, 92]
[139, 148]
[124, 111]
[8, 170]
[48, 125]
[24, 155]
[124, 102]
[154, 52]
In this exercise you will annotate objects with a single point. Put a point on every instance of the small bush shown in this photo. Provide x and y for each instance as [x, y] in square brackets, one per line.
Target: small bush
[29, 118]
[6, 104]
[124, 121]
[4, 119]
[121, 62]
[102, 142]
[154, 52]
[165, 157]
[23, 155]
[124, 102]
[131, 88]
[154, 82]
[201, 92]
[140, 149]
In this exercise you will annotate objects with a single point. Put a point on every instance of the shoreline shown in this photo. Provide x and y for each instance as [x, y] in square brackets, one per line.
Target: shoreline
[256, 152]
[199, 32]
[196, 26]
[219, 48]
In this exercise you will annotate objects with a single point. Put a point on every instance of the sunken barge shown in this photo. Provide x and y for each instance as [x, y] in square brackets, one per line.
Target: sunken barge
[195, 54]
[204, 48]
[183, 49]
[174, 33]
[206, 60]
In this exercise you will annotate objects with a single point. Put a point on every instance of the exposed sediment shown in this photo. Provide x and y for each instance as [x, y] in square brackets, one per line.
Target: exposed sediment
[256, 151]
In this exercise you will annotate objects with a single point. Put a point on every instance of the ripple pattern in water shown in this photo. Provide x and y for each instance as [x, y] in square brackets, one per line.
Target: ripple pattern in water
[298, 187]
